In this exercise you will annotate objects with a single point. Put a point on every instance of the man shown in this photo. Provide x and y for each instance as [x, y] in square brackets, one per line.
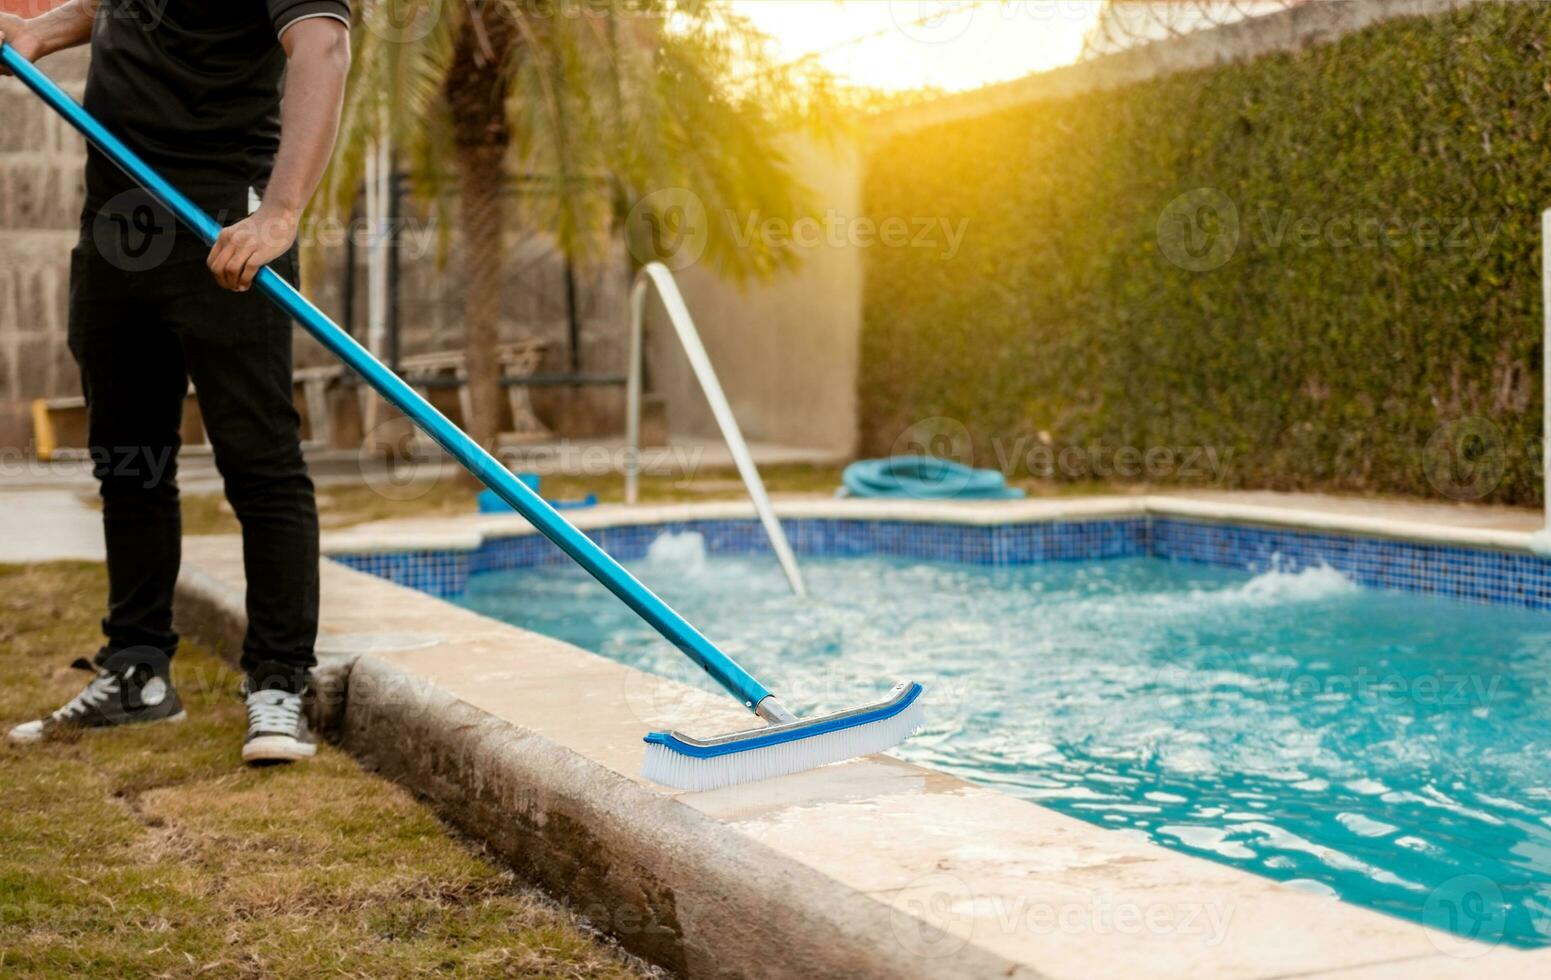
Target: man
[195, 87]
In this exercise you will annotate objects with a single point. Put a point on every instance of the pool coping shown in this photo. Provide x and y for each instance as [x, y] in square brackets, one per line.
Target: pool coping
[533, 746]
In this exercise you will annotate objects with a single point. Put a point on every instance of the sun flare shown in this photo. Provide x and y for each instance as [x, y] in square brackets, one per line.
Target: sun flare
[945, 44]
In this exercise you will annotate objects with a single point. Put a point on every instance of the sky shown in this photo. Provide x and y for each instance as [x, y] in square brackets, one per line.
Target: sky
[947, 44]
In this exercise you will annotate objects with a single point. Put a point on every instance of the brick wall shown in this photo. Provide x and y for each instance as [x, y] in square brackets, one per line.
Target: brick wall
[40, 199]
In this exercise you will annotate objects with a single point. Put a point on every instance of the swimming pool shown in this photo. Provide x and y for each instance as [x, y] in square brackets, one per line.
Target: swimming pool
[1392, 749]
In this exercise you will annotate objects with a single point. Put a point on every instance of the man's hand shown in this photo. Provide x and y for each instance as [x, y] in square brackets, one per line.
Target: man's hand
[318, 53]
[318, 59]
[63, 27]
[249, 245]
[16, 32]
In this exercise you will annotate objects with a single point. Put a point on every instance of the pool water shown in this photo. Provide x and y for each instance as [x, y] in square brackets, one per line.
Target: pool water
[1390, 749]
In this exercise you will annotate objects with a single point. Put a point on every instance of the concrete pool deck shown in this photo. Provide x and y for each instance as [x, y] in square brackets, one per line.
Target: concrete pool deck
[869, 868]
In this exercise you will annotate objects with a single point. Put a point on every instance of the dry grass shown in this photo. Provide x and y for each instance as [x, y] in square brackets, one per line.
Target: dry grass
[342, 506]
[153, 852]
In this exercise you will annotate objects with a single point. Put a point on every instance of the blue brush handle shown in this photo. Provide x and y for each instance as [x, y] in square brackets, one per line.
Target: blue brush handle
[739, 682]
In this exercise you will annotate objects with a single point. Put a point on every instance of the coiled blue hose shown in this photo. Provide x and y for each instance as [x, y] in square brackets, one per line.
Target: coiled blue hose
[924, 478]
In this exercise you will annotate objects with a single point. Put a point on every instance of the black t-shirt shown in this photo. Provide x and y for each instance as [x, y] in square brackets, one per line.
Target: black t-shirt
[193, 86]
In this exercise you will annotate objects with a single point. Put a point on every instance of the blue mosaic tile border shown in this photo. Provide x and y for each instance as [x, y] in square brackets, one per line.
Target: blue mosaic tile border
[441, 573]
[1468, 574]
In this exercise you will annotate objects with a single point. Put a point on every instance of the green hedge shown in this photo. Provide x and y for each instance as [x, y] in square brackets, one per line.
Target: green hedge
[1374, 326]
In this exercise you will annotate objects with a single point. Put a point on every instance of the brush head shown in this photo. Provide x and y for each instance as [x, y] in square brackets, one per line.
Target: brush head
[685, 762]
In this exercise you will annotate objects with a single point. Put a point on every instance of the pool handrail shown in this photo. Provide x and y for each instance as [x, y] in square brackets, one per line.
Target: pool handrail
[656, 274]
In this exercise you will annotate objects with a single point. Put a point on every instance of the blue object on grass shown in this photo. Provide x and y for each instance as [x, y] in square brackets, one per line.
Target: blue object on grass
[924, 478]
[490, 502]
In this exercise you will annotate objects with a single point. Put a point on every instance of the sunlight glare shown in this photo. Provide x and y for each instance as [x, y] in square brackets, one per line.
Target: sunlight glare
[906, 44]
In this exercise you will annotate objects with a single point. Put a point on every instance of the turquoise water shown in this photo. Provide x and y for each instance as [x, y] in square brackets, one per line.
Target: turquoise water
[1389, 749]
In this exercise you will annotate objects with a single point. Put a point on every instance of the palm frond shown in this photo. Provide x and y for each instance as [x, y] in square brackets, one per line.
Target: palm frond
[605, 103]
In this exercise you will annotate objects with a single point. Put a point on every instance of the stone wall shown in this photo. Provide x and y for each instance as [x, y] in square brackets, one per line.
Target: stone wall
[40, 201]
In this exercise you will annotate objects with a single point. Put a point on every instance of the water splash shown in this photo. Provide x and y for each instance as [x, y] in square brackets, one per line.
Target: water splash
[682, 554]
[1540, 541]
[1276, 586]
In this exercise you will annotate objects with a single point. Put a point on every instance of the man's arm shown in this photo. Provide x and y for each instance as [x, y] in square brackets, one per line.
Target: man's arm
[63, 27]
[319, 53]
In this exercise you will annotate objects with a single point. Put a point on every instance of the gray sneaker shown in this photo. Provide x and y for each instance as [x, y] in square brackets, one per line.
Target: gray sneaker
[277, 728]
[134, 694]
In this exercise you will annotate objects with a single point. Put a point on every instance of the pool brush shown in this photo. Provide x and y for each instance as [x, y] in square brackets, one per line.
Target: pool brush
[784, 745]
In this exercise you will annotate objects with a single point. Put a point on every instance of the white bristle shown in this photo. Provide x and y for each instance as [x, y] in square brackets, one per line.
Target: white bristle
[663, 765]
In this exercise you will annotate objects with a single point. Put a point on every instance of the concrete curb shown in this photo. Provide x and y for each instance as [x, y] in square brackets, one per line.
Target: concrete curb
[672, 885]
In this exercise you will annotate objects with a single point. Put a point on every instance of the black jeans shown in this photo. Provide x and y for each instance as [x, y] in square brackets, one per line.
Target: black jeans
[146, 317]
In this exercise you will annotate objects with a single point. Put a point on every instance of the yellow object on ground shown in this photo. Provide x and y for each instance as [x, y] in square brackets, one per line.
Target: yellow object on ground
[42, 429]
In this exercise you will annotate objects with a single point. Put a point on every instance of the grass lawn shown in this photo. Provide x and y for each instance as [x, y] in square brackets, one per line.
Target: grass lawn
[344, 505]
[154, 852]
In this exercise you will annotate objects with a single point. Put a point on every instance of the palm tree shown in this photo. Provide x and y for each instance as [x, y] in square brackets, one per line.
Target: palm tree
[601, 102]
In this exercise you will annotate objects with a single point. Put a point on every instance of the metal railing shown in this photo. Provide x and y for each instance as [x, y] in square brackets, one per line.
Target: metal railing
[657, 274]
